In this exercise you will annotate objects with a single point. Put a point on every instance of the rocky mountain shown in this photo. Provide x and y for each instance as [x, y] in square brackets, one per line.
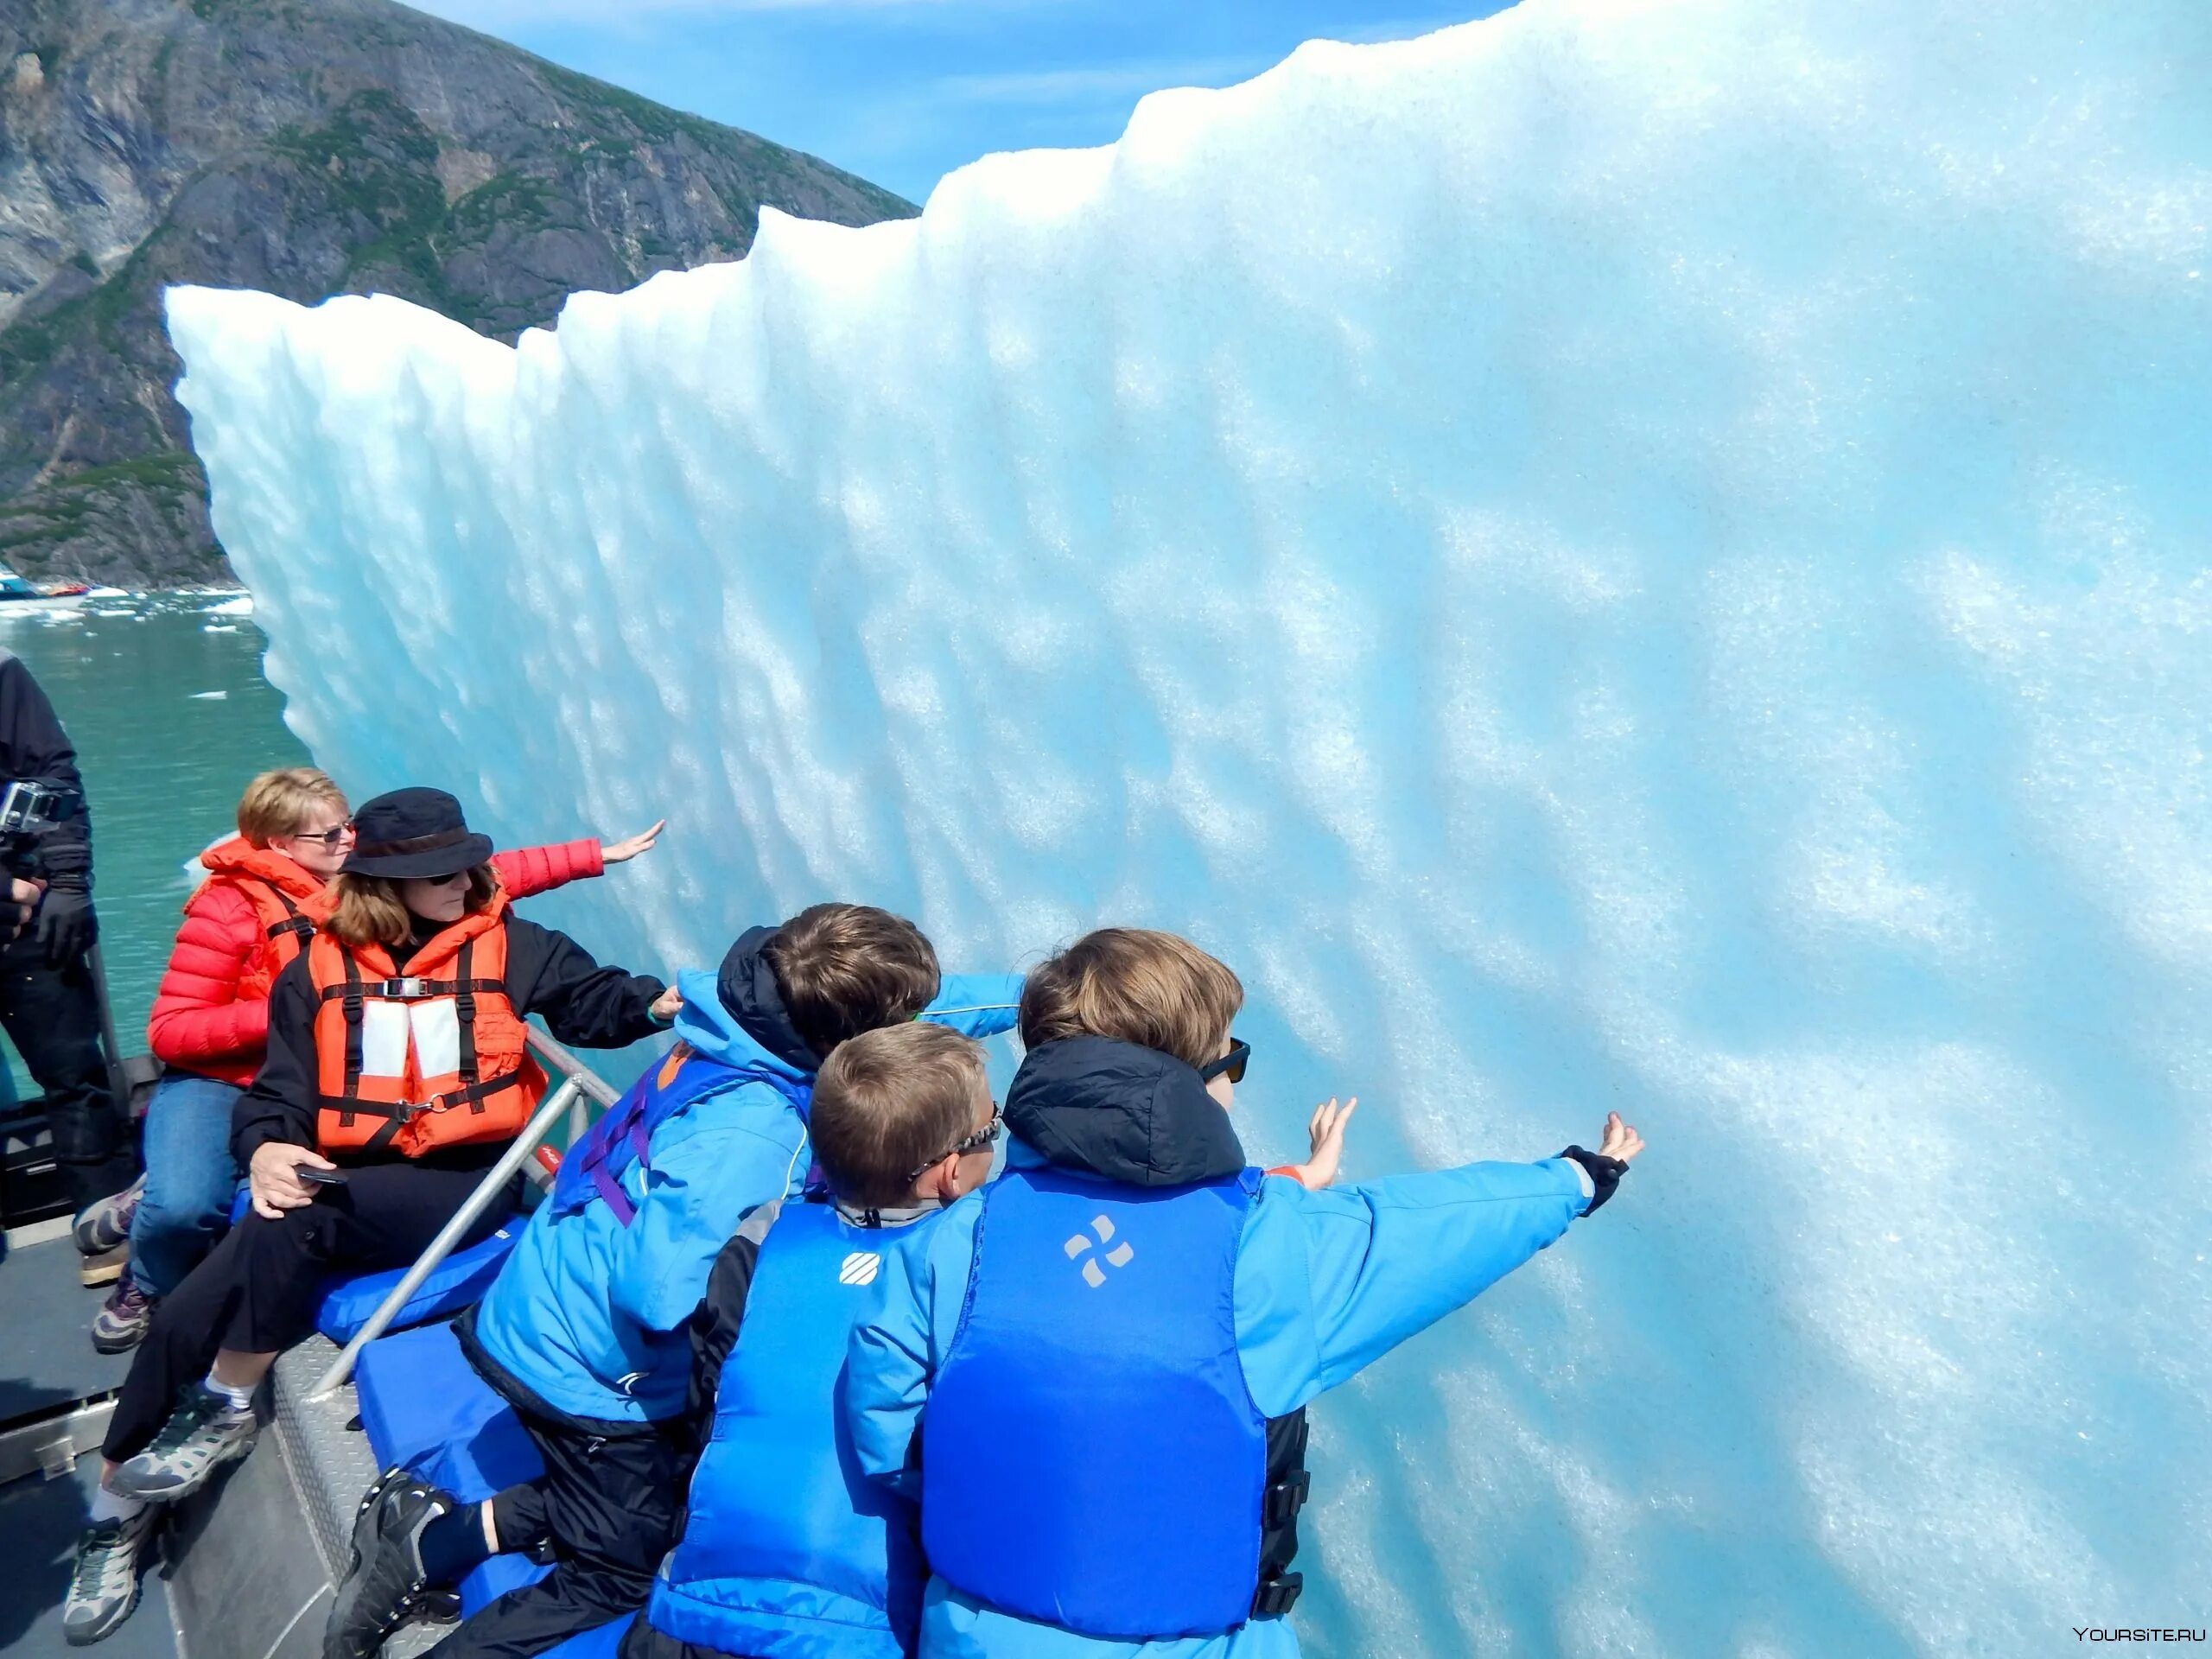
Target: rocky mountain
[308, 148]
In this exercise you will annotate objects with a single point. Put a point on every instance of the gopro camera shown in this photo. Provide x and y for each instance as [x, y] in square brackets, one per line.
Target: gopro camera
[31, 808]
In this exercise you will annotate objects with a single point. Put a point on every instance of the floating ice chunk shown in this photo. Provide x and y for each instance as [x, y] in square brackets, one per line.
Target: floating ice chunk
[208, 697]
[241, 606]
[1629, 555]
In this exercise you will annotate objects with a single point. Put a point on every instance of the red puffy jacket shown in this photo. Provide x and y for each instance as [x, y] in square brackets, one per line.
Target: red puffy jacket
[211, 1015]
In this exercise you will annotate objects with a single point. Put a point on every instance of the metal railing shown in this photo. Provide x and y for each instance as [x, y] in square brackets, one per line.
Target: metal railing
[578, 1088]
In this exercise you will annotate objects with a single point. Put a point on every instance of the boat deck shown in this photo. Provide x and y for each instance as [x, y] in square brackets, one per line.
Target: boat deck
[48, 1373]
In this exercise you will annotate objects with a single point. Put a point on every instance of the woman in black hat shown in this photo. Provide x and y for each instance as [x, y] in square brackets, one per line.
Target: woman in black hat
[396, 1076]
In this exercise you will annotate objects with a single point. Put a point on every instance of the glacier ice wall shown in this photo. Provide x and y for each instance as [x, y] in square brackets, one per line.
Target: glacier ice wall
[1631, 554]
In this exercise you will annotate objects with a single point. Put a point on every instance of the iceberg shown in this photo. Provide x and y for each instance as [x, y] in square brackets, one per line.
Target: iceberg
[1640, 554]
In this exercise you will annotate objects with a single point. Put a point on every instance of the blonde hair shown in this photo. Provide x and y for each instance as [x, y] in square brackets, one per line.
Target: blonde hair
[279, 803]
[369, 910]
[1157, 990]
[891, 1102]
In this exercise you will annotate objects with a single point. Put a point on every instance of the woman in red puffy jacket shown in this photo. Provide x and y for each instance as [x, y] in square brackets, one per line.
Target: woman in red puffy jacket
[211, 1016]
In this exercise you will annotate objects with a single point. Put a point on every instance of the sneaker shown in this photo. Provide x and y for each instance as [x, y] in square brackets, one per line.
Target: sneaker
[121, 1323]
[105, 1587]
[93, 1271]
[204, 1433]
[107, 1223]
[387, 1580]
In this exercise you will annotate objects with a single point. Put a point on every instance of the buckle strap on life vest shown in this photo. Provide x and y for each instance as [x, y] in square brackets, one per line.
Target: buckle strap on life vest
[409, 987]
[295, 924]
[465, 1012]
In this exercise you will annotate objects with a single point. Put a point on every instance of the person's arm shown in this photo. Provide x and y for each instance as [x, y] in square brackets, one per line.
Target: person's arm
[279, 1105]
[977, 1005]
[1327, 1282]
[39, 750]
[894, 1353]
[697, 1192]
[198, 1013]
[582, 1003]
[721, 1314]
[526, 870]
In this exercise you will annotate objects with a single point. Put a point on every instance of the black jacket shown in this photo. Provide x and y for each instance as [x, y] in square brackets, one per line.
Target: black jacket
[547, 974]
[1127, 1112]
[34, 748]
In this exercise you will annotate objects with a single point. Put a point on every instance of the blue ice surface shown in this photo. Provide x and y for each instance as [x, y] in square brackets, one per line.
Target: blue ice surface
[1625, 555]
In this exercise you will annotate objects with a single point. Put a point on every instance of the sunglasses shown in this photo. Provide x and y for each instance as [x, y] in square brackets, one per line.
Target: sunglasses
[330, 838]
[983, 1137]
[1230, 1066]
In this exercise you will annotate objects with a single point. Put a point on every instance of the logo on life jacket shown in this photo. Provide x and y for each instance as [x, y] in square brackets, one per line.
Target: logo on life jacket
[860, 1268]
[1119, 1256]
[433, 1058]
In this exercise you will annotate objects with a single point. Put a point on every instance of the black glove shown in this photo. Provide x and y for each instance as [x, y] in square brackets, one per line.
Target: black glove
[66, 925]
[1604, 1173]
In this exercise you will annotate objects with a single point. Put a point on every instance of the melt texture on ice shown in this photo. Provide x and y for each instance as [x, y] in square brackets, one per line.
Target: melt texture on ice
[1633, 555]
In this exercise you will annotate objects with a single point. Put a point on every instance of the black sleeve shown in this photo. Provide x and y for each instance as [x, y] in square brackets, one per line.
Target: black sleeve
[33, 746]
[281, 1103]
[582, 1003]
[715, 1323]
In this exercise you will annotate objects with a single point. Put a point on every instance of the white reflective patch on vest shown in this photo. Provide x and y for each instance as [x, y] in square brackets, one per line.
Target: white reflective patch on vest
[859, 1268]
[437, 1036]
[383, 1039]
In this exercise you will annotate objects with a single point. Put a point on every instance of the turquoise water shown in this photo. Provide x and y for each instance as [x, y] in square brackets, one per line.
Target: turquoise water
[164, 699]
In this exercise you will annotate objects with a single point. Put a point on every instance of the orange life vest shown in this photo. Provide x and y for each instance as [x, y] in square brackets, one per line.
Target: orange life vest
[432, 1057]
[276, 886]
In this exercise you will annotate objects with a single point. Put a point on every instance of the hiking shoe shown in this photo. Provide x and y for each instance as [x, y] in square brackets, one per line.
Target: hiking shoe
[107, 1223]
[93, 1271]
[121, 1323]
[204, 1433]
[387, 1580]
[105, 1587]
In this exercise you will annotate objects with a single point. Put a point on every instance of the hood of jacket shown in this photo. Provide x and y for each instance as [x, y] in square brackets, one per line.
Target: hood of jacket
[736, 1014]
[1121, 1112]
[238, 856]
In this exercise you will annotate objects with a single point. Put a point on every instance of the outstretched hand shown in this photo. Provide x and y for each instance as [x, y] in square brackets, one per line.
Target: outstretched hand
[667, 1005]
[621, 852]
[1621, 1141]
[1324, 1131]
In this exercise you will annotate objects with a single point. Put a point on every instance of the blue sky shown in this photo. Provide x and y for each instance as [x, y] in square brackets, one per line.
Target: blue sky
[901, 92]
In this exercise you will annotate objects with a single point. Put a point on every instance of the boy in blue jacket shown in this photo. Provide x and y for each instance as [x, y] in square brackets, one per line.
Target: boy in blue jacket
[1116, 1340]
[787, 1548]
[583, 1332]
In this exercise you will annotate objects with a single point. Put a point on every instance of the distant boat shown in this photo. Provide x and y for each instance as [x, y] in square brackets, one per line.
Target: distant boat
[18, 594]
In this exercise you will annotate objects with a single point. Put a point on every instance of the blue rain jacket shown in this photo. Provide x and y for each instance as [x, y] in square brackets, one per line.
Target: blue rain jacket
[589, 1314]
[1325, 1283]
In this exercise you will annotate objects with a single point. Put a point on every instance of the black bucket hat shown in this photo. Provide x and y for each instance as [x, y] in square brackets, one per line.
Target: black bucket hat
[414, 832]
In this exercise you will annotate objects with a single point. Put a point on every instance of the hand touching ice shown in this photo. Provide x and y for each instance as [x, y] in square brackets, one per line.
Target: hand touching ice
[1621, 1140]
[1325, 1130]
[621, 852]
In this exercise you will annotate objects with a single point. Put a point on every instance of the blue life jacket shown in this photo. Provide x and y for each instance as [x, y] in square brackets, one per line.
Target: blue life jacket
[1091, 1457]
[788, 1551]
[594, 1167]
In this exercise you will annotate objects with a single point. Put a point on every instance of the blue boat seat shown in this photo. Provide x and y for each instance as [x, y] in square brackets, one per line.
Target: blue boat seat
[425, 1409]
[458, 1281]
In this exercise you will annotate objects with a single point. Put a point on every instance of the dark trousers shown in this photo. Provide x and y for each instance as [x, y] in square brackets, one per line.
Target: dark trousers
[52, 1017]
[258, 1290]
[608, 1506]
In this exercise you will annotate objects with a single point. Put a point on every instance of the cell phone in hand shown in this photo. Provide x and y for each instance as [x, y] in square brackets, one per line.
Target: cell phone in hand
[314, 1176]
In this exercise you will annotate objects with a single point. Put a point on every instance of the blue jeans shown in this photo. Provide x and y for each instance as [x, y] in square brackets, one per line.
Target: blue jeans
[189, 1180]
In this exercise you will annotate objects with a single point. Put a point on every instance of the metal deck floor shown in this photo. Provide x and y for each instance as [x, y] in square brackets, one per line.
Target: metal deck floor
[46, 1350]
[39, 1523]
